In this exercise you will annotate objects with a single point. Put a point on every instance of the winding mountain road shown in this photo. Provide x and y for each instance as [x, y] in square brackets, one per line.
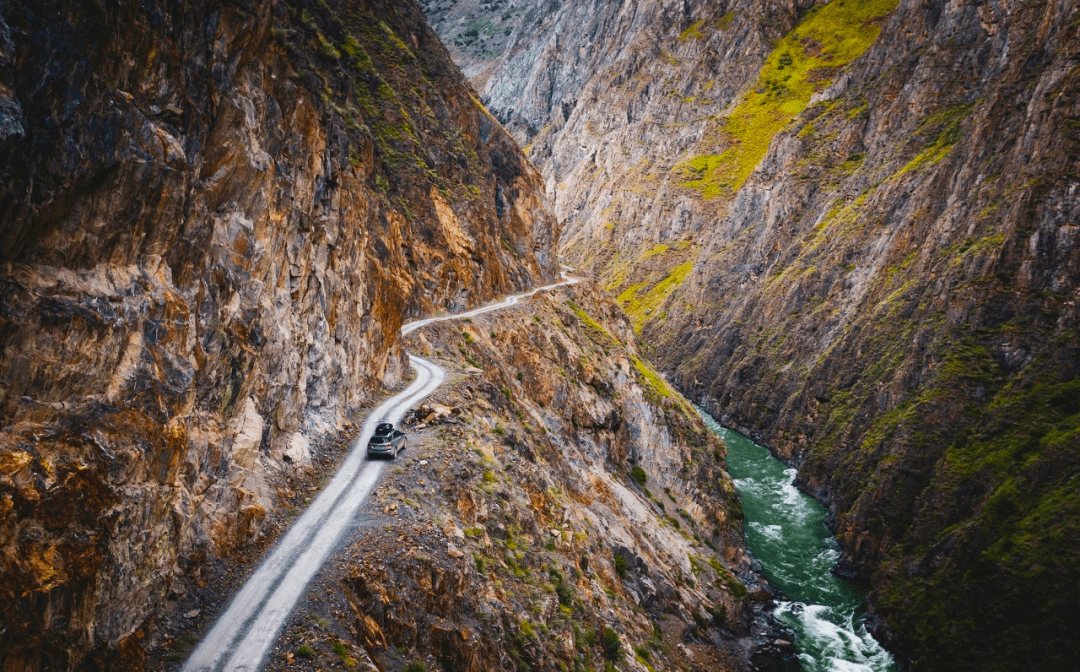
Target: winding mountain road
[242, 636]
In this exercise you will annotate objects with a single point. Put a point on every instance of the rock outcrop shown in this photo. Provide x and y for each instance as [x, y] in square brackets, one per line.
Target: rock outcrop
[850, 232]
[214, 218]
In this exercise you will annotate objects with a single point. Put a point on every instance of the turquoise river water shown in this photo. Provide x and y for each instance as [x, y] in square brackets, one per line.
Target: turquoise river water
[785, 530]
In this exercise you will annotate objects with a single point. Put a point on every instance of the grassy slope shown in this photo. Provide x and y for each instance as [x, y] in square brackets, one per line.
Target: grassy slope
[806, 61]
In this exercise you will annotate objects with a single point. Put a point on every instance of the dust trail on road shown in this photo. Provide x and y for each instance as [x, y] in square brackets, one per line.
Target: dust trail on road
[242, 636]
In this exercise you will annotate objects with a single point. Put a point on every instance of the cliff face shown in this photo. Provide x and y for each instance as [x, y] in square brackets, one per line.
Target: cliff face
[890, 301]
[617, 104]
[214, 217]
[849, 231]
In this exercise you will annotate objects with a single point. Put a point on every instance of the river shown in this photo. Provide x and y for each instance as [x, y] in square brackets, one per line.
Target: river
[785, 530]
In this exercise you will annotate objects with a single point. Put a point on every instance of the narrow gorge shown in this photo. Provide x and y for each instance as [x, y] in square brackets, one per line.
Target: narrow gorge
[849, 231]
[846, 230]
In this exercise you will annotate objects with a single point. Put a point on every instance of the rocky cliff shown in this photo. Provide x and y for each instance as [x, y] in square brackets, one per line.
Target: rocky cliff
[214, 218]
[559, 507]
[477, 33]
[849, 230]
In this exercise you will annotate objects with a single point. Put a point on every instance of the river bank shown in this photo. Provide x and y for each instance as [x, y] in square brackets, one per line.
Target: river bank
[785, 530]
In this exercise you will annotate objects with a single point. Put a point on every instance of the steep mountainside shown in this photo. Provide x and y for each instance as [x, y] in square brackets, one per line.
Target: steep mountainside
[477, 32]
[559, 507]
[612, 101]
[849, 230]
[214, 217]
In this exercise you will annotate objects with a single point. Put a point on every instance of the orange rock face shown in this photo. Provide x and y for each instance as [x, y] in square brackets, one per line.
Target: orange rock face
[215, 218]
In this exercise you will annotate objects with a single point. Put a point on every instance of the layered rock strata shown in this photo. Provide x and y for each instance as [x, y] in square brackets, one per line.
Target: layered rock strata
[214, 218]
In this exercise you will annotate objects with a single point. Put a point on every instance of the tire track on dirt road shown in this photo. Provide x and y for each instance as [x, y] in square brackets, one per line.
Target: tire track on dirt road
[243, 634]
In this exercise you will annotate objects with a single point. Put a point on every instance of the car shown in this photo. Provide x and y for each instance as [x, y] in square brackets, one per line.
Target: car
[386, 441]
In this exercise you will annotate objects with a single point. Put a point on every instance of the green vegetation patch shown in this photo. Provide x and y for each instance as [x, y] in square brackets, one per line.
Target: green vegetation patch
[305, 651]
[947, 126]
[615, 272]
[612, 646]
[564, 591]
[661, 248]
[803, 63]
[655, 250]
[658, 391]
[326, 48]
[387, 36]
[737, 587]
[597, 328]
[641, 300]
[657, 385]
[693, 32]
[620, 566]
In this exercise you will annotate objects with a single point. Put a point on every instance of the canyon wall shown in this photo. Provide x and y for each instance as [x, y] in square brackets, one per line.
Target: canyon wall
[849, 231]
[214, 218]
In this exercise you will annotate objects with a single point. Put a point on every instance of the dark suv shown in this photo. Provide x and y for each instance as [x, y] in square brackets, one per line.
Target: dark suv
[386, 441]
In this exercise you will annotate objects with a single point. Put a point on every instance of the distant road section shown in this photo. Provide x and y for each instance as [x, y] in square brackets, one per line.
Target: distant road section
[243, 635]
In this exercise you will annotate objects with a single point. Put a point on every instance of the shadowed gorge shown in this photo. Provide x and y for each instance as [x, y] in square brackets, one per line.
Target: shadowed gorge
[526, 238]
